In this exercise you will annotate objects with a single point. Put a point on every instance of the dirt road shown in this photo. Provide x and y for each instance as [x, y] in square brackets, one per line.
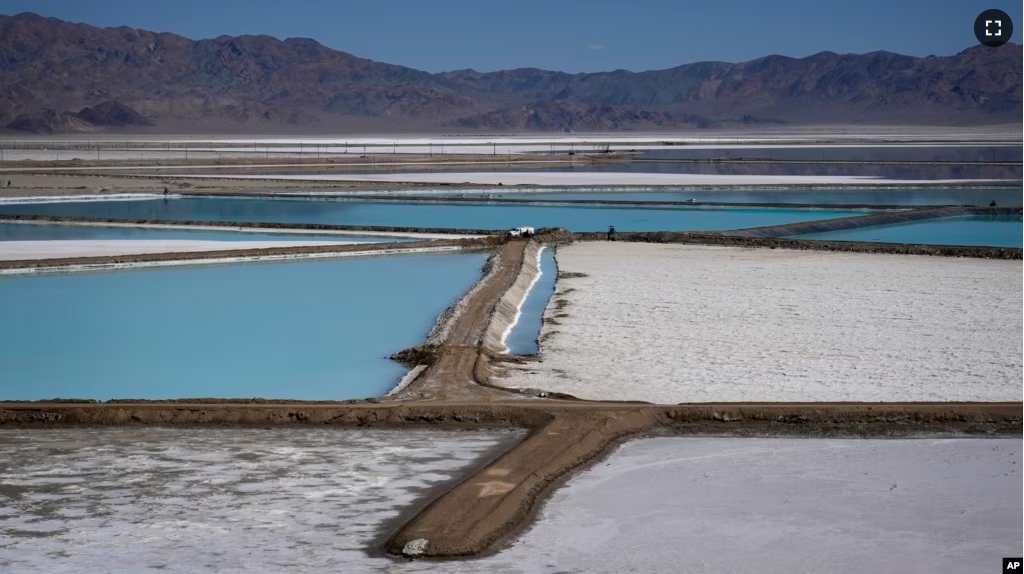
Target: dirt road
[481, 513]
[477, 515]
[453, 374]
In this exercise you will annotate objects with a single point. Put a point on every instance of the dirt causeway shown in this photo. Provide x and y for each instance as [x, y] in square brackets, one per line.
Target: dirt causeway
[452, 375]
[488, 508]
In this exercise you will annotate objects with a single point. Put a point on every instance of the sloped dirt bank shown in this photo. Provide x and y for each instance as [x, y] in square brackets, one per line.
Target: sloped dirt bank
[506, 310]
[500, 499]
[492, 505]
[889, 218]
[254, 254]
[453, 348]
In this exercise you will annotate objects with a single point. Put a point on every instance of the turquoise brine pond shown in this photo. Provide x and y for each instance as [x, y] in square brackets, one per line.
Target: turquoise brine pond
[907, 197]
[968, 230]
[46, 232]
[429, 215]
[522, 339]
[299, 330]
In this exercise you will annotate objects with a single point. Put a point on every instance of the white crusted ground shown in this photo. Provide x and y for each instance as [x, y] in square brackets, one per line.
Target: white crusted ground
[672, 323]
[53, 249]
[188, 501]
[780, 506]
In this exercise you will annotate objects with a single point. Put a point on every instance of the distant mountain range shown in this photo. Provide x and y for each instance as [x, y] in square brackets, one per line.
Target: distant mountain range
[57, 77]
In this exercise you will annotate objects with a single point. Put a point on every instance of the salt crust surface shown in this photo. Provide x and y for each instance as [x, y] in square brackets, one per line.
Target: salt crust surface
[187, 501]
[672, 324]
[780, 506]
[291, 501]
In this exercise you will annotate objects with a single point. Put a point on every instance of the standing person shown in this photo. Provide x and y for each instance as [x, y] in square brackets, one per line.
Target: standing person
[611, 233]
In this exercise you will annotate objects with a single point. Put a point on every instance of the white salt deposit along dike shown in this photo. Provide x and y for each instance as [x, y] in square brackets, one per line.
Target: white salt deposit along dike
[111, 266]
[66, 248]
[508, 309]
[679, 323]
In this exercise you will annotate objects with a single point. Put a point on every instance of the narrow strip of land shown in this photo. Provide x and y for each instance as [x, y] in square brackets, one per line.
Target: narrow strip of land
[453, 362]
[494, 504]
[499, 500]
[891, 217]
[774, 236]
[10, 266]
[589, 179]
[531, 199]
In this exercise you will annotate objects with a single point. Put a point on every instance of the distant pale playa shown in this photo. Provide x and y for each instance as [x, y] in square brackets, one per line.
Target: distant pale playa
[136, 147]
[567, 179]
[673, 323]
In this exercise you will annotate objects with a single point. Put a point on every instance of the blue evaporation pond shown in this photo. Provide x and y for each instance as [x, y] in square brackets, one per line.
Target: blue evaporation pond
[889, 197]
[45, 232]
[970, 230]
[430, 215]
[299, 330]
[522, 340]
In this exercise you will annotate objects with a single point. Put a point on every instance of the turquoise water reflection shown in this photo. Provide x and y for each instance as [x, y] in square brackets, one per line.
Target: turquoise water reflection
[301, 330]
[429, 215]
[991, 231]
[893, 197]
[522, 340]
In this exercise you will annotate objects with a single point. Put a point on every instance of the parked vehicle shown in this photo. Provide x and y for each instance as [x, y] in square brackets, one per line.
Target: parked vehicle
[521, 232]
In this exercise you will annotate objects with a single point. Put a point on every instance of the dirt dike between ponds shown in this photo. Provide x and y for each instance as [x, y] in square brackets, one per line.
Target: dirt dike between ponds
[496, 502]
[779, 236]
[871, 220]
[248, 254]
[453, 352]
[723, 238]
[484, 511]
[14, 218]
[506, 310]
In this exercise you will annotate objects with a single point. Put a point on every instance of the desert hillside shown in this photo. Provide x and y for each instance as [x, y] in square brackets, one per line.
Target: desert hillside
[61, 77]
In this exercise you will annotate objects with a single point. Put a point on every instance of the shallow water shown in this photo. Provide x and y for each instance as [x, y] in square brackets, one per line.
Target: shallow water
[127, 500]
[893, 197]
[522, 340]
[991, 231]
[41, 232]
[429, 215]
[300, 330]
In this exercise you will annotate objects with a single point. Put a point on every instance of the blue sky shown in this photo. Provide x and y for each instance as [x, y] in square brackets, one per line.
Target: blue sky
[568, 35]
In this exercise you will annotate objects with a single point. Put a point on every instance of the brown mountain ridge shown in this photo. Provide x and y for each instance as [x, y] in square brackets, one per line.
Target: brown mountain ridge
[57, 76]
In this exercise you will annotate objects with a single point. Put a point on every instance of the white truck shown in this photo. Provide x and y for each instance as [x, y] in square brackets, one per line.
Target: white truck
[521, 232]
